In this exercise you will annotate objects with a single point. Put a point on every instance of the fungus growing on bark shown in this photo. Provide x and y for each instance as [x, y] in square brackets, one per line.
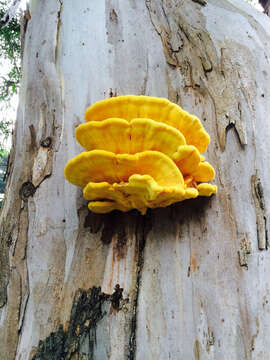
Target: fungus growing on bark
[142, 152]
[158, 109]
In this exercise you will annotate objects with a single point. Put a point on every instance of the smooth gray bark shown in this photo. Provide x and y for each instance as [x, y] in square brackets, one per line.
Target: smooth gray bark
[195, 276]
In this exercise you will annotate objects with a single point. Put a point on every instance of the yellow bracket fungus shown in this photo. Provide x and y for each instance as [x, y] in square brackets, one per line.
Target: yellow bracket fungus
[101, 165]
[140, 192]
[158, 109]
[141, 152]
[136, 136]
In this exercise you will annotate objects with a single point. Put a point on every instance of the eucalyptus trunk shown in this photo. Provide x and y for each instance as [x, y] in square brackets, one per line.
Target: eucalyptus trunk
[190, 281]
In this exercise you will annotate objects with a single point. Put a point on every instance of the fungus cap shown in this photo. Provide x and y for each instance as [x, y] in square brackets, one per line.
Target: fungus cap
[157, 109]
[139, 192]
[137, 136]
[142, 152]
[206, 189]
[100, 165]
[121, 136]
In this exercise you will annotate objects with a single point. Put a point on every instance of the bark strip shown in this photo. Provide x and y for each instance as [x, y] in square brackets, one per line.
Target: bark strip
[261, 215]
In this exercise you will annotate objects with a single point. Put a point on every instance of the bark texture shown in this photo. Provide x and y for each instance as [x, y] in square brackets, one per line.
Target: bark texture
[186, 282]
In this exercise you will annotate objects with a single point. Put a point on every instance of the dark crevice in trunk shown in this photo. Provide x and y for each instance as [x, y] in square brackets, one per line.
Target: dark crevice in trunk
[266, 5]
[143, 227]
[261, 212]
[5, 239]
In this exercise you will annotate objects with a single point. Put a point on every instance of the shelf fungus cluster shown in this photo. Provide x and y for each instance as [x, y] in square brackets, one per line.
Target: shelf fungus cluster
[141, 152]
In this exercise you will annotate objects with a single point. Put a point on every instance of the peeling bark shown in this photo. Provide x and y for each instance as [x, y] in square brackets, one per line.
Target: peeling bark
[178, 282]
[191, 49]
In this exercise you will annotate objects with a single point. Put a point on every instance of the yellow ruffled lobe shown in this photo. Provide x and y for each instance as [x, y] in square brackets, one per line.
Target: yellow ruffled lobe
[123, 137]
[111, 135]
[140, 192]
[187, 158]
[205, 189]
[204, 172]
[157, 109]
[100, 165]
[142, 152]
[104, 207]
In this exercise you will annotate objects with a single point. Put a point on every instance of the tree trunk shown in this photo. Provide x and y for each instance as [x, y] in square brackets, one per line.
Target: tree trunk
[190, 281]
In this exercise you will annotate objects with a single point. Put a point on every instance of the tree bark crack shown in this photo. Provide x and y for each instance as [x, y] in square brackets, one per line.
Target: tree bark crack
[261, 214]
[59, 23]
[143, 228]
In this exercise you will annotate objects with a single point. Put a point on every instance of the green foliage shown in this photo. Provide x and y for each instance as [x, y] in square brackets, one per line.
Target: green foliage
[9, 52]
[3, 168]
[10, 47]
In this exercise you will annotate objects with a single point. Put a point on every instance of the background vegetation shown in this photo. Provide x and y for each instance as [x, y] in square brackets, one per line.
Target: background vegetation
[10, 48]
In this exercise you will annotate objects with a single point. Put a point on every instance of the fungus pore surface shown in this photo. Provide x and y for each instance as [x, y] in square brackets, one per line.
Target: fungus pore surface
[141, 152]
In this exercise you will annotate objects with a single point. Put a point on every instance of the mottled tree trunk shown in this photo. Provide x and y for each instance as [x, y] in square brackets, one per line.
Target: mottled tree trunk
[190, 281]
